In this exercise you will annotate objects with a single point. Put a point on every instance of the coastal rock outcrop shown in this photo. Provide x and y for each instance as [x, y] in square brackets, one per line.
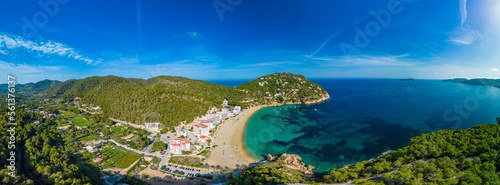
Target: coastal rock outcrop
[293, 161]
[269, 157]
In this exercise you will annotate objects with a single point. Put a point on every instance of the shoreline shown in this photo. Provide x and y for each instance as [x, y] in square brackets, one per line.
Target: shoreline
[231, 149]
[240, 136]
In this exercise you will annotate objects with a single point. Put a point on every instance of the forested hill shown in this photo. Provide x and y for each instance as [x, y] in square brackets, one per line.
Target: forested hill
[283, 88]
[478, 81]
[171, 100]
[31, 87]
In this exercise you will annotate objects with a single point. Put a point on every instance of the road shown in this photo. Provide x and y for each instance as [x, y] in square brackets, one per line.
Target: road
[23, 170]
[164, 160]
[148, 148]
[137, 151]
[195, 171]
[134, 125]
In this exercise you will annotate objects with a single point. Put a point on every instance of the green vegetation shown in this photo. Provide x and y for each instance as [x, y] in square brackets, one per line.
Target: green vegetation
[187, 161]
[88, 167]
[88, 138]
[205, 153]
[126, 160]
[111, 156]
[31, 88]
[80, 121]
[283, 88]
[42, 85]
[116, 129]
[156, 160]
[67, 113]
[138, 140]
[444, 157]
[118, 158]
[276, 172]
[172, 100]
[46, 156]
[158, 145]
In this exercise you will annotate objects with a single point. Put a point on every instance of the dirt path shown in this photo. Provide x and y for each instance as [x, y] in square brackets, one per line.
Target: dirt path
[123, 171]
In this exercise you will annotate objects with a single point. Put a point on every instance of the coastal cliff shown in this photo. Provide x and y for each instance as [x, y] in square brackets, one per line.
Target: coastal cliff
[286, 168]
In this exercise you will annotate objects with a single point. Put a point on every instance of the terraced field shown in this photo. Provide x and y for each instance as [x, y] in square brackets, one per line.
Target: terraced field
[118, 158]
[80, 121]
[126, 160]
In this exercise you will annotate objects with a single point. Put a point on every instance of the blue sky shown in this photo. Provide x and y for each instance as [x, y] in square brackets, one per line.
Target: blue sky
[243, 39]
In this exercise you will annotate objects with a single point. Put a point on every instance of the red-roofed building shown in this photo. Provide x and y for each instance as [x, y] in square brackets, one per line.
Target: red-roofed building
[203, 139]
[178, 145]
[182, 132]
[201, 129]
[208, 123]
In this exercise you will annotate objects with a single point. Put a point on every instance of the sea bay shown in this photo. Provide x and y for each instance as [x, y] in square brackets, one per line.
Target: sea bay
[366, 117]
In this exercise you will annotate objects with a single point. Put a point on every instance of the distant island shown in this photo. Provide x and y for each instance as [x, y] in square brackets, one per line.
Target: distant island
[408, 79]
[477, 81]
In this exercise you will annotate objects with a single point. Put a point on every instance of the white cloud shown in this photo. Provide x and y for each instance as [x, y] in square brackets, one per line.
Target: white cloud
[464, 35]
[43, 48]
[3, 52]
[278, 64]
[193, 35]
[398, 60]
[25, 69]
[494, 70]
[25, 73]
[463, 10]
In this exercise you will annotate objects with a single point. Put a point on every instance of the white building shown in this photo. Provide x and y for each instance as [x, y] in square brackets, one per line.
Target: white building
[204, 139]
[156, 126]
[214, 118]
[208, 123]
[181, 132]
[236, 110]
[223, 115]
[178, 145]
[201, 129]
[91, 149]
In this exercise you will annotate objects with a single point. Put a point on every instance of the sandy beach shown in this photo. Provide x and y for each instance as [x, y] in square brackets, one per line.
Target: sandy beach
[230, 149]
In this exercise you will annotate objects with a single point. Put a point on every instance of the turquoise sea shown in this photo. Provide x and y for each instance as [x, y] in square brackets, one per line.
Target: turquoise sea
[366, 117]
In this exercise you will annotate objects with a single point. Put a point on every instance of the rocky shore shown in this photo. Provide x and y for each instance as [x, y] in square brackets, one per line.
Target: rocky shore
[292, 161]
[276, 104]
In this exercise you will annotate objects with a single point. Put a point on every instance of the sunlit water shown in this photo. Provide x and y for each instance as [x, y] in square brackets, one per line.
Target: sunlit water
[367, 117]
